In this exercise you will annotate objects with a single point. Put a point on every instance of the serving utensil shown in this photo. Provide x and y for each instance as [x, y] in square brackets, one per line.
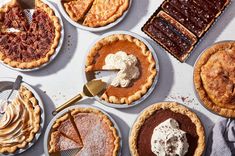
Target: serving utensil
[90, 89]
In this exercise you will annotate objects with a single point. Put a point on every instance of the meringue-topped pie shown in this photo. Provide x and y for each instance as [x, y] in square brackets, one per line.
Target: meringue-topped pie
[20, 122]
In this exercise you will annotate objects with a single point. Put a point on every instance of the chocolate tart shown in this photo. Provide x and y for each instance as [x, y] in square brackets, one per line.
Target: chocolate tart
[95, 133]
[132, 46]
[140, 135]
[32, 45]
[214, 78]
[20, 122]
[178, 25]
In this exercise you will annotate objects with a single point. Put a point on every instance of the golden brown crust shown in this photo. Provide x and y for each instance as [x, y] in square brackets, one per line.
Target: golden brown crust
[146, 53]
[31, 104]
[106, 120]
[35, 63]
[175, 107]
[219, 71]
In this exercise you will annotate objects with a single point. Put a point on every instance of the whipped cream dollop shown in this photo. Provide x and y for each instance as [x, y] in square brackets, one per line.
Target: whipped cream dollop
[127, 64]
[168, 139]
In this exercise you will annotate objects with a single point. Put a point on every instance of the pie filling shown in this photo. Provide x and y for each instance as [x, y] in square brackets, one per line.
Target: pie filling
[33, 41]
[185, 127]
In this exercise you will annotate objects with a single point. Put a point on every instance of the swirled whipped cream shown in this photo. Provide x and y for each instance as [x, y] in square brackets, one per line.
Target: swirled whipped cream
[127, 64]
[168, 139]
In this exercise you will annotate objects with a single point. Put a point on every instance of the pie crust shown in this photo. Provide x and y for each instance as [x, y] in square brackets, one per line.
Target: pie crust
[214, 78]
[40, 6]
[84, 112]
[175, 107]
[30, 122]
[90, 66]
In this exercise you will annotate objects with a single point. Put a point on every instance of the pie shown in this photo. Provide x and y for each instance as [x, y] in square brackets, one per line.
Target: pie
[156, 114]
[32, 44]
[86, 129]
[95, 13]
[20, 122]
[178, 25]
[214, 78]
[119, 44]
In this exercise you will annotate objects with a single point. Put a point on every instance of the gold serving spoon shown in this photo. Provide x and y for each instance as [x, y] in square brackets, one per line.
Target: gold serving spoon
[91, 89]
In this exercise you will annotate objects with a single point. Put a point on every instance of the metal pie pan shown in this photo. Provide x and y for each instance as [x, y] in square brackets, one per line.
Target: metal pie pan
[6, 84]
[49, 127]
[150, 90]
[98, 29]
[57, 50]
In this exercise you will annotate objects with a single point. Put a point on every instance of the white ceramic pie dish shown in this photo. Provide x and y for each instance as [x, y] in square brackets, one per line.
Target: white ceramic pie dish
[98, 29]
[150, 90]
[48, 130]
[57, 50]
[6, 84]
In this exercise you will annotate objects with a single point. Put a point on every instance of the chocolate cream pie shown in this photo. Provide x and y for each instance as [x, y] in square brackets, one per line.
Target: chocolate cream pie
[214, 78]
[134, 62]
[32, 44]
[88, 130]
[167, 128]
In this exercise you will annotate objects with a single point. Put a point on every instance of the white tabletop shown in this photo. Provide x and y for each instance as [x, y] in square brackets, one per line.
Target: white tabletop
[63, 78]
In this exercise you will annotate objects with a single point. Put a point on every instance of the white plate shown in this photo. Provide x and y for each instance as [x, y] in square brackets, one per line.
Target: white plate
[48, 130]
[98, 29]
[155, 79]
[57, 50]
[10, 81]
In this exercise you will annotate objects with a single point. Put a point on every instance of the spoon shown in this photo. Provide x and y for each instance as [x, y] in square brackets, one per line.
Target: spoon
[91, 89]
[15, 86]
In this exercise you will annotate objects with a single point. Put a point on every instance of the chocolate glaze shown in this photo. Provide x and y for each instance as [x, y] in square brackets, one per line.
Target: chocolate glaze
[145, 134]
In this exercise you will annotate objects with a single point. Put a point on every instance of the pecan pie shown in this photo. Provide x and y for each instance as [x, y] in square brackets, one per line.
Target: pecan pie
[95, 133]
[95, 13]
[123, 45]
[214, 78]
[146, 128]
[20, 122]
[32, 44]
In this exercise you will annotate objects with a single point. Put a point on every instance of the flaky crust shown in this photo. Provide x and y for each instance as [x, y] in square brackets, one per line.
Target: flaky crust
[35, 63]
[226, 110]
[106, 120]
[175, 107]
[146, 53]
[32, 103]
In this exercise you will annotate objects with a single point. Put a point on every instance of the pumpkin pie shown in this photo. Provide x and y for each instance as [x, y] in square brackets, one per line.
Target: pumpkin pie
[95, 13]
[136, 66]
[20, 122]
[214, 78]
[167, 128]
[95, 133]
[32, 44]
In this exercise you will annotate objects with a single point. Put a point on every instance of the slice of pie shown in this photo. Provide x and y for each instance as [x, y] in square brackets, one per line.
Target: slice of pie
[214, 78]
[78, 8]
[132, 58]
[20, 122]
[30, 45]
[66, 126]
[61, 143]
[104, 12]
[167, 128]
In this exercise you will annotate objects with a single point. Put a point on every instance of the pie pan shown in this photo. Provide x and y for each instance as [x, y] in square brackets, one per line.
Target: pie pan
[150, 90]
[57, 50]
[49, 127]
[194, 89]
[98, 29]
[5, 86]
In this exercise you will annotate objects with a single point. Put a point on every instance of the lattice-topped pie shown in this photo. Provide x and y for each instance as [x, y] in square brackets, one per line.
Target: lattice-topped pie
[88, 130]
[95, 13]
[20, 122]
[29, 45]
[214, 78]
